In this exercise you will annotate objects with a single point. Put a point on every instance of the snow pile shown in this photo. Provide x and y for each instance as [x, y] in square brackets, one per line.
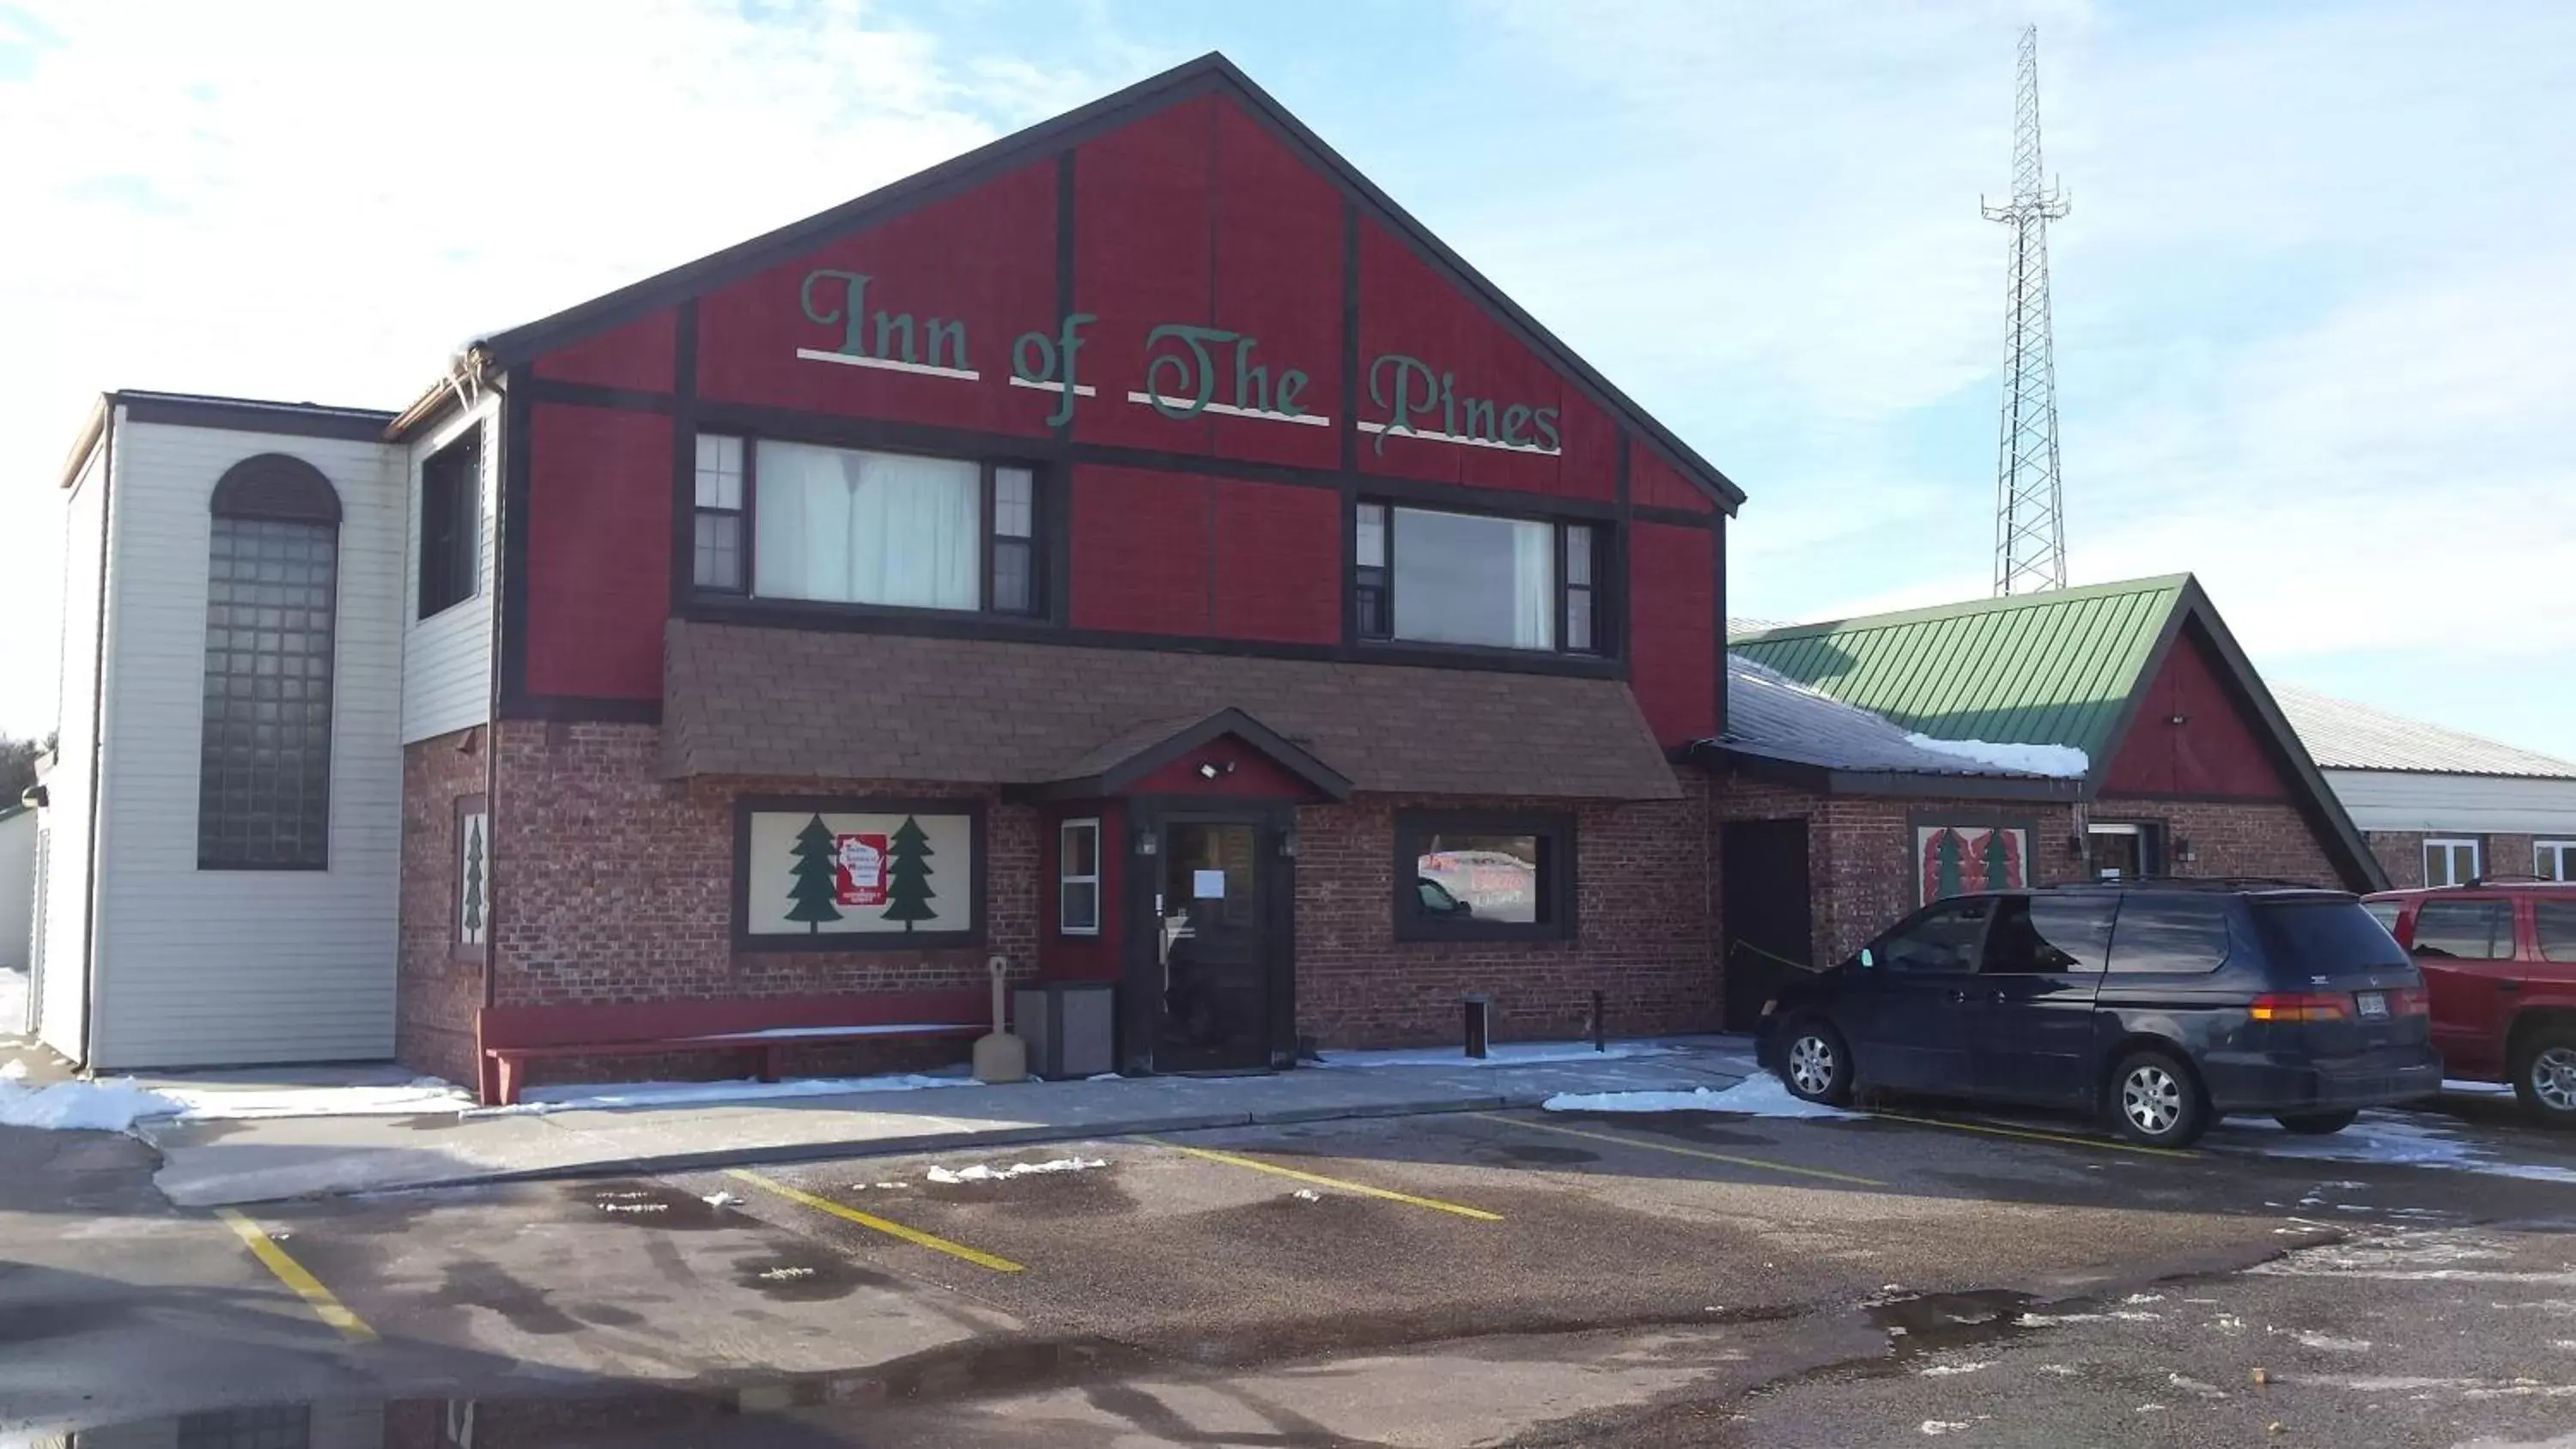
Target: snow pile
[1755, 1096]
[228, 1104]
[13, 1070]
[2383, 1137]
[1503, 1054]
[596, 1097]
[985, 1172]
[80, 1106]
[2064, 762]
[13, 1003]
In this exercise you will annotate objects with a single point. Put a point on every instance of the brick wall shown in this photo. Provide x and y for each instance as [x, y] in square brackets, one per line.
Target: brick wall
[436, 992]
[1645, 911]
[611, 883]
[2231, 837]
[2401, 853]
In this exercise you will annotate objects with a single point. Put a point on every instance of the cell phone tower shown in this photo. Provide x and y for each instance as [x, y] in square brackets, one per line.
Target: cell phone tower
[2030, 504]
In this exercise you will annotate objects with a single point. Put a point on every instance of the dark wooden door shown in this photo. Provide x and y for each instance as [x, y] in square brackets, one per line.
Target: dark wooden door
[1768, 918]
[1214, 1011]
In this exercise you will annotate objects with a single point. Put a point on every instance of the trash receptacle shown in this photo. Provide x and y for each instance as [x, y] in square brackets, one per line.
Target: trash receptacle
[1071, 1027]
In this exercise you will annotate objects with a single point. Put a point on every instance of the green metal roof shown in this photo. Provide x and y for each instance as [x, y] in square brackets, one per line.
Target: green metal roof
[2057, 668]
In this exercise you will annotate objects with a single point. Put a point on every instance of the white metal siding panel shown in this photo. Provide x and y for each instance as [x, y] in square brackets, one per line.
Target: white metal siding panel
[204, 968]
[62, 967]
[17, 893]
[447, 659]
[2456, 804]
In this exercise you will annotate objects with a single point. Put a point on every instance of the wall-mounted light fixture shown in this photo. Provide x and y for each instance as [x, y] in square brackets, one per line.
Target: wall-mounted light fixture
[1147, 842]
[1211, 769]
[1288, 843]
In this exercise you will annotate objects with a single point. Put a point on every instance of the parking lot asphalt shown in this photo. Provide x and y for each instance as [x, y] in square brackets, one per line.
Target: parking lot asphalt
[1462, 1278]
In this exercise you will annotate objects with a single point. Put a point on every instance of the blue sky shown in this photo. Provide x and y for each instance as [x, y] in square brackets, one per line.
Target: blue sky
[2313, 304]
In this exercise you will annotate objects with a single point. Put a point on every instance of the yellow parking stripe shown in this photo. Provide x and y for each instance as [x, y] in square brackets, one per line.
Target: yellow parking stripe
[1319, 1180]
[2029, 1135]
[1678, 1150]
[888, 1226]
[292, 1273]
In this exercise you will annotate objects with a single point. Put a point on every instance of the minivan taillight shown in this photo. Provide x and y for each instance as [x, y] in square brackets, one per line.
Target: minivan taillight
[2409, 1003]
[2301, 1006]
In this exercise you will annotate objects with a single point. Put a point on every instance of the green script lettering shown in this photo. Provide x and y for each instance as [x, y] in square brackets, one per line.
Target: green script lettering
[854, 291]
[1197, 373]
[1400, 406]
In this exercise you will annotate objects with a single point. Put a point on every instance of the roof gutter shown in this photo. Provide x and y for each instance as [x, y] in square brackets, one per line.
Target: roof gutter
[459, 388]
[91, 432]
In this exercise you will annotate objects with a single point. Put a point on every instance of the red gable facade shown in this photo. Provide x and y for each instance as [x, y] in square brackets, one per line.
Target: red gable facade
[1013, 476]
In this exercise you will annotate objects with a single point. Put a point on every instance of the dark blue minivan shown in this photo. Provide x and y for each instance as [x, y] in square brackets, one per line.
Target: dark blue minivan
[2161, 1005]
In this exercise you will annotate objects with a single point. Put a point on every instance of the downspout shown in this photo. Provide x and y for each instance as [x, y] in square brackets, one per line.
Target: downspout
[97, 746]
[497, 469]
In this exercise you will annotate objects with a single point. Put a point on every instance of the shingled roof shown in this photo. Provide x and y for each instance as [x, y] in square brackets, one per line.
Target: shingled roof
[797, 703]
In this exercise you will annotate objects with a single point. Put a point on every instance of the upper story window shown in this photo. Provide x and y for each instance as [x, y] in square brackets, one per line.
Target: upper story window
[272, 590]
[1436, 577]
[778, 520]
[451, 524]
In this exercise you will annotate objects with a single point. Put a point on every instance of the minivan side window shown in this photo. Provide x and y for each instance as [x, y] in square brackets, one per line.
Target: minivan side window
[2557, 923]
[2465, 930]
[2170, 934]
[2045, 935]
[1942, 939]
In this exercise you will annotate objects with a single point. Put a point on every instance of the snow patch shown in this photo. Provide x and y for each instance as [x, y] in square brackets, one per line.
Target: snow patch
[1943, 1426]
[1760, 1095]
[591, 1097]
[2063, 762]
[13, 1003]
[1307, 1194]
[1505, 1054]
[2331, 1344]
[13, 1070]
[110, 1106]
[1947, 1370]
[2382, 1138]
[721, 1199]
[985, 1172]
[212, 1102]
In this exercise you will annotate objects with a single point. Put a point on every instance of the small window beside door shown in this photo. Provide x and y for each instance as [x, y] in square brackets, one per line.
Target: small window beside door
[1077, 878]
[1483, 877]
[2451, 862]
[2465, 930]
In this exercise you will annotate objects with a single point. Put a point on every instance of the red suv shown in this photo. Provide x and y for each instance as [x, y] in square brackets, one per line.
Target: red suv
[2499, 962]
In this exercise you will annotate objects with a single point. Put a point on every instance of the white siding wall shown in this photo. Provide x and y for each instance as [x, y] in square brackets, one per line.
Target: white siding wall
[59, 976]
[447, 659]
[17, 893]
[2461, 804]
[200, 968]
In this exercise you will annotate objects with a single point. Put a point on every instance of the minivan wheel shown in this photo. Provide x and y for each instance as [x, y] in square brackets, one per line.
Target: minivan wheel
[1816, 1066]
[2318, 1124]
[2545, 1078]
[2155, 1101]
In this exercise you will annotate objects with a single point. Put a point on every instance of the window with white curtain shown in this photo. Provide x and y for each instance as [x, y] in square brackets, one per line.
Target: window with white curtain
[849, 527]
[1437, 577]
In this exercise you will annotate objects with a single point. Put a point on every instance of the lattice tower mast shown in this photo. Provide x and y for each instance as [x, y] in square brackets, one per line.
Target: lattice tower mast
[2030, 503]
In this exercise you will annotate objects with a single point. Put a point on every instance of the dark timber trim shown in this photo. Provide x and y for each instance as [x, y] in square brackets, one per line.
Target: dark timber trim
[1120, 776]
[1209, 74]
[511, 529]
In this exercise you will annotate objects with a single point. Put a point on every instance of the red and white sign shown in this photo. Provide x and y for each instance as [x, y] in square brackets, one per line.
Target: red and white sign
[859, 870]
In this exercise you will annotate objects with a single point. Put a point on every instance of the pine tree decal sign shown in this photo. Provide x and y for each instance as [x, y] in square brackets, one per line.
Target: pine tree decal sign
[908, 870]
[811, 897]
[473, 880]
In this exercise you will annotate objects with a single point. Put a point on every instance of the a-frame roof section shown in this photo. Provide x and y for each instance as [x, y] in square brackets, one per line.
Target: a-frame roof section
[2065, 667]
[1210, 73]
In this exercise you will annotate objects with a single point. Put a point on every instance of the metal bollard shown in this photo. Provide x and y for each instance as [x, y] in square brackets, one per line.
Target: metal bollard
[1479, 1014]
[1600, 1026]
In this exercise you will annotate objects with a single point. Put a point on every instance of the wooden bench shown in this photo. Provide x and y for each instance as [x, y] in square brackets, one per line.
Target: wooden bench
[507, 1038]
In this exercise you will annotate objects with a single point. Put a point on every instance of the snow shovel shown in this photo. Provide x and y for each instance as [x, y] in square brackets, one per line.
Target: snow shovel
[1000, 1056]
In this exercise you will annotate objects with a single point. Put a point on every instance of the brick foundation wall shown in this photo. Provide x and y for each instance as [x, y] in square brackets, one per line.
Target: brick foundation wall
[611, 883]
[1646, 930]
[2401, 853]
[436, 992]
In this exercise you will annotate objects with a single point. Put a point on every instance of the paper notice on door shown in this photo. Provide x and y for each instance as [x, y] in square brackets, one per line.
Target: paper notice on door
[1208, 885]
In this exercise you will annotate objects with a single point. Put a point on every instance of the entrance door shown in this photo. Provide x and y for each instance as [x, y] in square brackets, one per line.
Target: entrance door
[1214, 1012]
[1762, 867]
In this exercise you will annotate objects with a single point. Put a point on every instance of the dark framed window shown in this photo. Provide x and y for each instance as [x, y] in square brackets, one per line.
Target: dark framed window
[272, 593]
[2172, 935]
[1077, 875]
[451, 524]
[1479, 876]
[799, 521]
[1439, 576]
[1940, 940]
[723, 493]
[2050, 935]
[2479, 930]
[2554, 928]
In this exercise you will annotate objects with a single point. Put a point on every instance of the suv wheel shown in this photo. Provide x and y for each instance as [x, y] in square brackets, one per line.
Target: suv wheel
[1815, 1066]
[2155, 1101]
[2545, 1077]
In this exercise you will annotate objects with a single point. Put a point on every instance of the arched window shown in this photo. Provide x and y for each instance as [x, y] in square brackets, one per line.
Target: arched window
[272, 586]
